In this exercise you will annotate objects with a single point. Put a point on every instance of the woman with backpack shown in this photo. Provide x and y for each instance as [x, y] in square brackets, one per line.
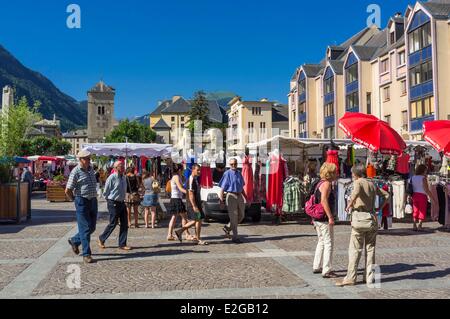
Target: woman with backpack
[324, 224]
[151, 198]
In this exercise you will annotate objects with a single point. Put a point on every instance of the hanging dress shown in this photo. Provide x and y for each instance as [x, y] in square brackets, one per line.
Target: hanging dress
[275, 187]
[247, 173]
[206, 179]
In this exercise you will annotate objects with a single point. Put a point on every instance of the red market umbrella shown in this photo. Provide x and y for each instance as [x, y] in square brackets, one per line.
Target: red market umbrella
[437, 133]
[372, 133]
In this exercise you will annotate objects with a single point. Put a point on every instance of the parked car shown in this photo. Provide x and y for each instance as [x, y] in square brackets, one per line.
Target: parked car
[214, 210]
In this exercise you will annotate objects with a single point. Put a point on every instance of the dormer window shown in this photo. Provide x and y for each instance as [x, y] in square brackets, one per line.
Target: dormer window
[392, 35]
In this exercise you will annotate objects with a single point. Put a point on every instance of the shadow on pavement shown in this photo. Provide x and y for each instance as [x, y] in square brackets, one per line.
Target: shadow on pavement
[131, 255]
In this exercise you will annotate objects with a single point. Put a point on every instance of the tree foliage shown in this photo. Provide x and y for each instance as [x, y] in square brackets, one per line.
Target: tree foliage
[134, 131]
[199, 112]
[42, 145]
[14, 126]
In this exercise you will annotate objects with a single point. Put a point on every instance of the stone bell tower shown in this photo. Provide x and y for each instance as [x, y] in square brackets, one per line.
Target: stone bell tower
[100, 112]
[7, 99]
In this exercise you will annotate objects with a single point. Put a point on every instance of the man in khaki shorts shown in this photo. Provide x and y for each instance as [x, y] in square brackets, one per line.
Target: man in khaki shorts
[233, 183]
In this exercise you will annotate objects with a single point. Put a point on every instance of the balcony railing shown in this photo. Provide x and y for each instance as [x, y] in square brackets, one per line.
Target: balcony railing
[352, 87]
[330, 121]
[303, 135]
[354, 109]
[421, 90]
[417, 124]
[329, 98]
[302, 117]
[420, 56]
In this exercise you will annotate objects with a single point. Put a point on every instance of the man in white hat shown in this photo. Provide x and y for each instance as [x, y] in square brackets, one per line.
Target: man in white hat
[82, 188]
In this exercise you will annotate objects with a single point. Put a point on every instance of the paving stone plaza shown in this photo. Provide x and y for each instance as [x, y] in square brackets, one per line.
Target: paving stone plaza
[274, 262]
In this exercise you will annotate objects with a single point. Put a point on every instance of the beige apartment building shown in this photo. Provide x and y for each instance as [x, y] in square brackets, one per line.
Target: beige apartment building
[77, 139]
[400, 74]
[252, 121]
[171, 117]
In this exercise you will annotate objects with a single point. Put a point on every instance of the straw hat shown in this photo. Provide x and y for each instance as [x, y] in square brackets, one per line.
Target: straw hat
[84, 154]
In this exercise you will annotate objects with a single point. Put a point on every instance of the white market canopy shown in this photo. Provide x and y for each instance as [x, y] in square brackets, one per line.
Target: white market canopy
[129, 149]
[291, 145]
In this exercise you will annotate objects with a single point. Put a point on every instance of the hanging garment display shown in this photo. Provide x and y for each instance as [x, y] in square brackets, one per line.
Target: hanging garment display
[442, 198]
[292, 203]
[392, 164]
[247, 173]
[256, 183]
[403, 164]
[277, 175]
[333, 158]
[435, 203]
[344, 192]
[444, 167]
[262, 183]
[399, 199]
[371, 171]
[206, 179]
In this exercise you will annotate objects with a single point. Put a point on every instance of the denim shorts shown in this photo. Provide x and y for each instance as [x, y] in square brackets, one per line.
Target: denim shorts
[150, 200]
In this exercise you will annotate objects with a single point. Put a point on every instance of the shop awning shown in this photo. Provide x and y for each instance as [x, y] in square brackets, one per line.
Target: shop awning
[44, 158]
[129, 149]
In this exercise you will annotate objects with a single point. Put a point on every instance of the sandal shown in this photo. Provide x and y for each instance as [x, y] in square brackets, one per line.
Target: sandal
[171, 238]
[330, 275]
[203, 243]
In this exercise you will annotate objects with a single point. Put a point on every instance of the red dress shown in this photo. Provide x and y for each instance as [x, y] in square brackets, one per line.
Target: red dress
[277, 174]
[247, 173]
[206, 179]
[333, 158]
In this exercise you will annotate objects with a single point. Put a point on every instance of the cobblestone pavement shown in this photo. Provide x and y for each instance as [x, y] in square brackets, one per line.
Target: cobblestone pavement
[274, 262]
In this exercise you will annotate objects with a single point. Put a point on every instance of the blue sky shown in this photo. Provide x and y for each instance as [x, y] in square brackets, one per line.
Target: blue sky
[151, 50]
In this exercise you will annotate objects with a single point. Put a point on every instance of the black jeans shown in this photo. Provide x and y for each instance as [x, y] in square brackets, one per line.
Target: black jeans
[117, 211]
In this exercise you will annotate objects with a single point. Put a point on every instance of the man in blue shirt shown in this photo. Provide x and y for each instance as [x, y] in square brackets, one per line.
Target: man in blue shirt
[115, 192]
[233, 183]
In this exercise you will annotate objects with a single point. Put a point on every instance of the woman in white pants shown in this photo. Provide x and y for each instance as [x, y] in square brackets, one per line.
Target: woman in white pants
[325, 227]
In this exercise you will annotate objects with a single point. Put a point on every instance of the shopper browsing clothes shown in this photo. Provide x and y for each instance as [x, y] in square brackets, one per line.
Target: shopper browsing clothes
[420, 195]
[194, 207]
[323, 193]
[364, 226]
[177, 207]
[133, 198]
[115, 194]
[233, 183]
[151, 198]
[82, 188]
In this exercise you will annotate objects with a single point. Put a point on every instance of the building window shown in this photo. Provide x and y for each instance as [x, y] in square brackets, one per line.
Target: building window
[387, 94]
[262, 126]
[369, 103]
[422, 108]
[301, 87]
[251, 127]
[352, 100]
[387, 119]
[294, 116]
[182, 119]
[405, 120]
[419, 38]
[421, 73]
[402, 58]
[403, 84]
[302, 108]
[295, 132]
[182, 125]
[302, 127]
[173, 119]
[329, 132]
[256, 111]
[329, 110]
[329, 85]
[384, 66]
[392, 37]
[351, 74]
